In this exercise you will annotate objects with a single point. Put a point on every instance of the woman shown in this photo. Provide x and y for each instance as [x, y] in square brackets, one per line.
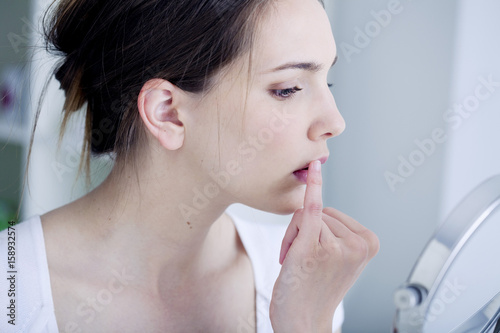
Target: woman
[202, 104]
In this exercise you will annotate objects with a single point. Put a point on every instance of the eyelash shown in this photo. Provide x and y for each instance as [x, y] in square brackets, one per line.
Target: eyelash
[290, 92]
[285, 93]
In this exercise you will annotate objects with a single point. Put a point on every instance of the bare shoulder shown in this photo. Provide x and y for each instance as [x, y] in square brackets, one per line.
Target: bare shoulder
[58, 232]
[63, 216]
[66, 243]
[64, 227]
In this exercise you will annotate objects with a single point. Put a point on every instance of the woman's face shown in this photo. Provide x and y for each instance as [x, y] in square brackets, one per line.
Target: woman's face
[271, 113]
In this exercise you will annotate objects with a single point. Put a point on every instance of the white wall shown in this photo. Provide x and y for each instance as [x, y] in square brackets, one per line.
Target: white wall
[473, 150]
[392, 91]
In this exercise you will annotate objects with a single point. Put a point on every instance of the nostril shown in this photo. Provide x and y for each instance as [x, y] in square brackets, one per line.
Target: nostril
[322, 129]
[339, 127]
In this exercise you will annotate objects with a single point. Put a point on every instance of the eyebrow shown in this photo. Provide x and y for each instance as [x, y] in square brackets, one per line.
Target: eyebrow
[307, 66]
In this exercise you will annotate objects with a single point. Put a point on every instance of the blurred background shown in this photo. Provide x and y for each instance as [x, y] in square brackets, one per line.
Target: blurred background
[418, 83]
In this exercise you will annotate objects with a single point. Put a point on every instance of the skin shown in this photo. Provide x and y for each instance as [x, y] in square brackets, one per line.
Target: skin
[181, 263]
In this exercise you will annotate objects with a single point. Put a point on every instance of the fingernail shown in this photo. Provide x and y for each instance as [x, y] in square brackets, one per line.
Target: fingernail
[316, 166]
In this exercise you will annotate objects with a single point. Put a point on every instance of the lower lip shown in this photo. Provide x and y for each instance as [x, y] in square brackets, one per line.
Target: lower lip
[301, 175]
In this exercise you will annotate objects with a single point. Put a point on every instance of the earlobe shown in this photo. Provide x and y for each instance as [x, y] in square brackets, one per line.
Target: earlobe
[158, 108]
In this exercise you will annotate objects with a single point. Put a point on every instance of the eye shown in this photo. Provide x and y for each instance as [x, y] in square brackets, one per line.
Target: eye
[331, 85]
[285, 93]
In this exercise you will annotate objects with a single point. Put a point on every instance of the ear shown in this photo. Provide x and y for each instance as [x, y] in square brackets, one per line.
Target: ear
[158, 104]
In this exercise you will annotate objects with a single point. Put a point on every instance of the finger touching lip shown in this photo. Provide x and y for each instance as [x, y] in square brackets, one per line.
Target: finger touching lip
[306, 166]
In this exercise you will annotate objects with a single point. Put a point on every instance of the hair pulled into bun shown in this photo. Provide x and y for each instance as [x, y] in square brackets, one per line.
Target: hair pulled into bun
[71, 32]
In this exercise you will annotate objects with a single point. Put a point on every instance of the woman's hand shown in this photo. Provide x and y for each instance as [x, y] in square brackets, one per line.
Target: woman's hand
[323, 253]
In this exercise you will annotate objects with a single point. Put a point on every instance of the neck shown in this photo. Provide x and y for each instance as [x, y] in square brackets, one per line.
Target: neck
[150, 221]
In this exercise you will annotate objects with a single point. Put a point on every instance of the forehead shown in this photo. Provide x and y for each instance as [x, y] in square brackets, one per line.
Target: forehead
[293, 30]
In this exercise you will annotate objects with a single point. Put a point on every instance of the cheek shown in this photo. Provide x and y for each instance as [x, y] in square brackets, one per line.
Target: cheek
[268, 121]
[267, 153]
[272, 130]
[261, 134]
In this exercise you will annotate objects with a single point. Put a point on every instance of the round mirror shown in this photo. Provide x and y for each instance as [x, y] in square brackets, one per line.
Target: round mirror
[455, 284]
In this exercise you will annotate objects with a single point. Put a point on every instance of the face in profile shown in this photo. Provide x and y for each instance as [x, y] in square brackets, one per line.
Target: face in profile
[272, 111]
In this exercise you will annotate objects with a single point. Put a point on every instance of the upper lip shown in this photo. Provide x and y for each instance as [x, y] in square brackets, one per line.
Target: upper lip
[321, 159]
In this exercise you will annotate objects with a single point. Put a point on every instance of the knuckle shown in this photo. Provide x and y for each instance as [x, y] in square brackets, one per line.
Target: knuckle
[330, 245]
[358, 248]
[373, 243]
[328, 240]
[315, 208]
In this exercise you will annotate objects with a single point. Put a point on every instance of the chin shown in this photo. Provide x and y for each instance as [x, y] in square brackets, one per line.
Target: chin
[277, 201]
[287, 211]
[284, 204]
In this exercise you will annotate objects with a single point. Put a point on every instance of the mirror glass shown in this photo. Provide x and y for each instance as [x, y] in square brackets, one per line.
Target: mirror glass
[471, 281]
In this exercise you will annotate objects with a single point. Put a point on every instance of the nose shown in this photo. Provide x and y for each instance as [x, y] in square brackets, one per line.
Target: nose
[329, 122]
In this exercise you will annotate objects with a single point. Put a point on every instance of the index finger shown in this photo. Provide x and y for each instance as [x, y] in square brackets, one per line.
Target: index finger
[313, 200]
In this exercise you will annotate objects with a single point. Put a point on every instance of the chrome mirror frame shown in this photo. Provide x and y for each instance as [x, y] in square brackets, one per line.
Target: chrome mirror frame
[486, 320]
[413, 299]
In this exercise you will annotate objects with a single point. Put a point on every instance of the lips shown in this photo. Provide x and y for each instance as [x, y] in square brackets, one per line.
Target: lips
[301, 174]
[306, 166]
